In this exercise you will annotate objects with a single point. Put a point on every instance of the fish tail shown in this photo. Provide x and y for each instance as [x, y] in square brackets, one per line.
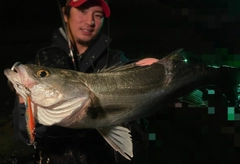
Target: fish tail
[229, 83]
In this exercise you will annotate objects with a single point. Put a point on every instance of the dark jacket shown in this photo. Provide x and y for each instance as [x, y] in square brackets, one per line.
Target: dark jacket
[63, 145]
[97, 56]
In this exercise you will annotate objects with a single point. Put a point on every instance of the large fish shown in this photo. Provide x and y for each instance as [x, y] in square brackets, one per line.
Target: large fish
[110, 97]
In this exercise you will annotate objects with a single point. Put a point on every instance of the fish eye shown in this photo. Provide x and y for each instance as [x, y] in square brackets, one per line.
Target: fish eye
[42, 73]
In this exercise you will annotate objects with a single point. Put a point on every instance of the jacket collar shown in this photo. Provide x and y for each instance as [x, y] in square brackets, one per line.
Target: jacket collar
[96, 50]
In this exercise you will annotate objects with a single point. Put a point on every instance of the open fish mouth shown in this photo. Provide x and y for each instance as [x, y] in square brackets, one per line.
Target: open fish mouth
[14, 80]
[10, 84]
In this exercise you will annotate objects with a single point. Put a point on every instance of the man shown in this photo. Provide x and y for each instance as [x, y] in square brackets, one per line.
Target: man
[89, 51]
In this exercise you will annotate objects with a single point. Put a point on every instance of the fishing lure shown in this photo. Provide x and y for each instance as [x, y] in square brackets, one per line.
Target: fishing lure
[30, 122]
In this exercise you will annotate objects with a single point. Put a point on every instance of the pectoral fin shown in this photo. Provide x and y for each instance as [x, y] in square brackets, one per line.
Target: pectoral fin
[119, 138]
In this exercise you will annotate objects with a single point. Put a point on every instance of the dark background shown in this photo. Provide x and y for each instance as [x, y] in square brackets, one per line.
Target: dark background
[146, 28]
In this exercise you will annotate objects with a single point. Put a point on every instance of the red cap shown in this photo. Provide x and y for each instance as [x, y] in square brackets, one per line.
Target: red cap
[76, 3]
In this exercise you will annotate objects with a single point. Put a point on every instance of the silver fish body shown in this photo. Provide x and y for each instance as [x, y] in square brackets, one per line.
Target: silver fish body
[116, 95]
[80, 100]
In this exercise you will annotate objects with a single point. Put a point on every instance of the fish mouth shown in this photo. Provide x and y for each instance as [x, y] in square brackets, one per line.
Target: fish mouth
[15, 65]
[15, 81]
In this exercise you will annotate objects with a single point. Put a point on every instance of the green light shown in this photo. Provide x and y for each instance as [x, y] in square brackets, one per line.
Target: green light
[152, 136]
[230, 117]
[230, 110]
[237, 117]
[211, 110]
[211, 92]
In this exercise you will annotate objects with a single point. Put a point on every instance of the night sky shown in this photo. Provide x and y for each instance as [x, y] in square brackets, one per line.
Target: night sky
[146, 28]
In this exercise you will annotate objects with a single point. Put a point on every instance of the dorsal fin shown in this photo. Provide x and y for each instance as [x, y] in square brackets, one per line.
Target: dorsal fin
[118, 67]
[174, 54]
[183, 56]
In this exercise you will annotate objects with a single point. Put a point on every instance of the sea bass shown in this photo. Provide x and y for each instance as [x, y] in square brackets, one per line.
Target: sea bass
[106, 99]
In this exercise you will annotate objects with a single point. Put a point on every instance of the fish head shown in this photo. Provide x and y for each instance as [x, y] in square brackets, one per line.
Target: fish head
[46, 86]
[38, 82]
[55, 94]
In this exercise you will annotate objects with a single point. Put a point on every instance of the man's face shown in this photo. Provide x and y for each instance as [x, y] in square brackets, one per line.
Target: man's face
[85, 21]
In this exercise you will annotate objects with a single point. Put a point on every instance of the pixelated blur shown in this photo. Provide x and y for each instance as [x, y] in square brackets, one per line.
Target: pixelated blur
[211, 110]
[152, 136]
